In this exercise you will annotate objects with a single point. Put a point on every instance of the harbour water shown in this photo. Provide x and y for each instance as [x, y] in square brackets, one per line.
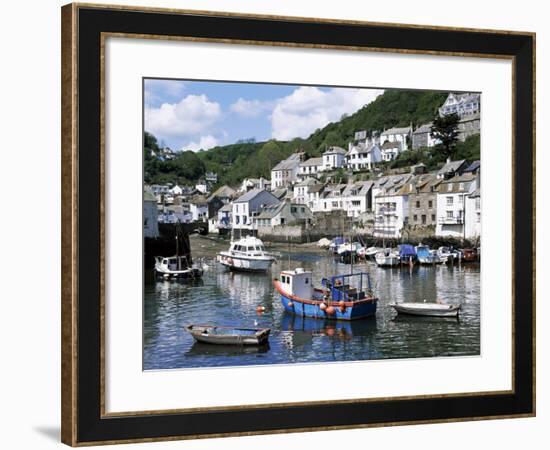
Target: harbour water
[231, 298]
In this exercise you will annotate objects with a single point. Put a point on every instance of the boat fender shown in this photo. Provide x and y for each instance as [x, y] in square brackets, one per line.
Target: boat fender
[322, 306]
[290, 304]
[330, 310]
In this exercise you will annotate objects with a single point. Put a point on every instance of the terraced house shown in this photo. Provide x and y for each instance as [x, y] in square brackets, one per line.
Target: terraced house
[451, 205]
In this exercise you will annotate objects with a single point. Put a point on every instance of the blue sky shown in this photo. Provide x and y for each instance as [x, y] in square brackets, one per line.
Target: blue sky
[194, 115]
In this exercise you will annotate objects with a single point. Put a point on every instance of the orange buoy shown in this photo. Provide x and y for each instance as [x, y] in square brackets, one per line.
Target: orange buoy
[260, 309]
[322, 306]
[330, 310]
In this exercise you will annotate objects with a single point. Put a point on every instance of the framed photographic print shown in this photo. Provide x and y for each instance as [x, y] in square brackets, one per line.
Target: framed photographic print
[281, 224]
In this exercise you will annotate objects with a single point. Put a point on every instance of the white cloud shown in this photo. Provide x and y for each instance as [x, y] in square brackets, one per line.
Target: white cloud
[204, 143]
[308, 108]
[192, 115]
[250, 108]
[160, 91]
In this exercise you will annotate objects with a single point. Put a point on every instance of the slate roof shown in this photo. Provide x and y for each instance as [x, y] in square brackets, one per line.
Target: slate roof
[250, 195]
[425, 128]
[223, 191]
[312, 162]
[396, 130]
[473, 167]
[455, 182]
[149, 197]
[389, 145]
[452, 166]
[287, 164]
[334, 149]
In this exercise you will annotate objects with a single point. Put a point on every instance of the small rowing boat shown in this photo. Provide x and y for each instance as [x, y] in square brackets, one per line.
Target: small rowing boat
[211, 334]
[426, 309]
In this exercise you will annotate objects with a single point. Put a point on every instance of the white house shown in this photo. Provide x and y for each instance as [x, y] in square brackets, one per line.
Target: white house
[286, 172]
[331, 199]
[176, 190]
[310, 167]
[390, 150]
[334, 158]
[401, 135]
[462, 104]
[284, 213]
[150, 215]
[301, 191]
[255, 183]
[472, 215]
[361, 157]
[198, 206]
[202, 186]
[248, 205]
[391, 210]
[357, 198]
[451, 205]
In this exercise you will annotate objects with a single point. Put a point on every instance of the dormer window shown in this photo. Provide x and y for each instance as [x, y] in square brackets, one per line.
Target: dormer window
[450, 187]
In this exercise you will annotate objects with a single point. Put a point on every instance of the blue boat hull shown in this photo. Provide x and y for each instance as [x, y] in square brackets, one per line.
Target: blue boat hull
[357, 311]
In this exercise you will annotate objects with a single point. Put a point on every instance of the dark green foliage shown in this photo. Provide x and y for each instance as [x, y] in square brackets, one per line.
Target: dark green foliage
[445, 129]
[248, 158]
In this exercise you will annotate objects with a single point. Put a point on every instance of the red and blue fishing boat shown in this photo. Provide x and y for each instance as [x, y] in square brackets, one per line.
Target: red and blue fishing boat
[341, 297]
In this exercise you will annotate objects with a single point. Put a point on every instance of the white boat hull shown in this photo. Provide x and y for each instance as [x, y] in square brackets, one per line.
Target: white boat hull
[426, 309]
[244, 263]
[386, 260]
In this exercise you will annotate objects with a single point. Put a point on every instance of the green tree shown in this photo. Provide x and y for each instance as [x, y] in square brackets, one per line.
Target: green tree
[445, 129]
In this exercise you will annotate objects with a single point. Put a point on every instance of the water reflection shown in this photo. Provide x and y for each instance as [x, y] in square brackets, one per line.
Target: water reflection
[240, 299]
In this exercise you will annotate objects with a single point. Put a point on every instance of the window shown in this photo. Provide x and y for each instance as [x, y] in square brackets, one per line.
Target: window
[423, 219]
[460, 200]
[418, 203]
[250, 249]
[478, 203]
[430, 204]
[449, 201]
[237, 219]
[461, 186]
[307, 281]
[433, 217]
[449, 214]
[244, 219]
[415, 218]
[450, 187]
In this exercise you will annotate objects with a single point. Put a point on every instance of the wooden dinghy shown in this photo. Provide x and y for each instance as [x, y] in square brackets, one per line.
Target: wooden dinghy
[426, 309]
[211, 334]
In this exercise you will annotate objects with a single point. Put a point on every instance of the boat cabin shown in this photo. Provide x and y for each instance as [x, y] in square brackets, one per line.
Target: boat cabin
[249, 245]
[350, 287]
[297, 282]
[172, 263]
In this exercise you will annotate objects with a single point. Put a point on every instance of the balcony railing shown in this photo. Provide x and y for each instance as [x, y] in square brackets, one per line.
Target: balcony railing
[450, 220]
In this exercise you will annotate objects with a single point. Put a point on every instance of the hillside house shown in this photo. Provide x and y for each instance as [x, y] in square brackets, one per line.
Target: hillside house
[247, 206]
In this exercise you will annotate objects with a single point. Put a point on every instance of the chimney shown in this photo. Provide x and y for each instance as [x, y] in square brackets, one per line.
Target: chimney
[448, 159]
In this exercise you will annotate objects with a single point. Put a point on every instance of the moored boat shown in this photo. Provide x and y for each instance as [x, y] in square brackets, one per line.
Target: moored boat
[176, 267]
[447, 255]
[349, 252]
[387, 258]
[211, 334]
[426, 309]
[246, 254]
[426, 256]
[371, 252]
[469, 255]
[407, 254]
[342, 297]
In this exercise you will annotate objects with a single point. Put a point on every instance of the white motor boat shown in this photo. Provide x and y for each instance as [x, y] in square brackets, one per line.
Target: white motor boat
[370, 253]
[426, 256]
[447, 255]
[387, 258]
[426, 309]
[246, 254]
[176, 267]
